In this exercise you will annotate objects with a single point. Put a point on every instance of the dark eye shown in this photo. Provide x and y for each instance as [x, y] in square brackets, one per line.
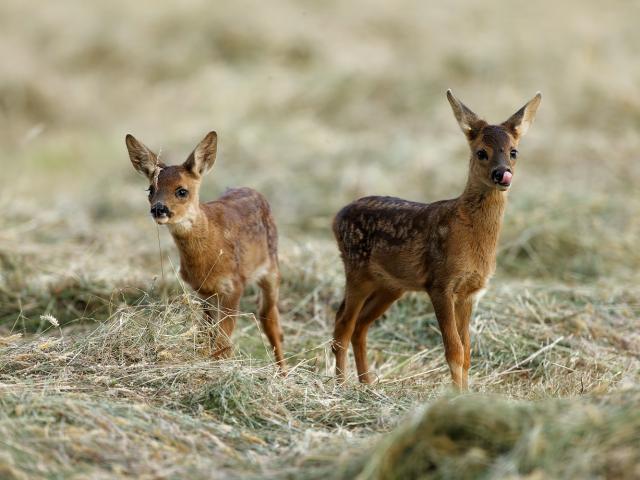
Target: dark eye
[514, 154]
[182, 193]
[150, 190]
[482, 154]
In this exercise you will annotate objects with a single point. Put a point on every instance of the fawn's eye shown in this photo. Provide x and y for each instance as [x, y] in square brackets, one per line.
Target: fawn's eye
[482, 154]
[150, 190]
[514, 154]
[182, 192]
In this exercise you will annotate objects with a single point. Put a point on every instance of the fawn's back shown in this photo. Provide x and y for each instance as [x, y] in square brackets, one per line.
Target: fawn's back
[416, 246]
[392, 240]
[236, 240]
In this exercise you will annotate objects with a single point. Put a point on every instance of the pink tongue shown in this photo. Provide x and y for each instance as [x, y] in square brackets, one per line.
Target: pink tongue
[506, 178]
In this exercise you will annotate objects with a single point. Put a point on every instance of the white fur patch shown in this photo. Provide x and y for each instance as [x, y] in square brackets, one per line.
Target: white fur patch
[478, 295]
[260, 272]
[225, 286]
[182, 227]
[186, 224]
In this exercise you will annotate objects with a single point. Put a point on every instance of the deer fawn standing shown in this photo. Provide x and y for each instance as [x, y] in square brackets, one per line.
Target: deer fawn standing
[390, 246]
[223, 244]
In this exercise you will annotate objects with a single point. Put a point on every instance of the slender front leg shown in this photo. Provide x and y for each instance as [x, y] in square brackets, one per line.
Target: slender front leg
[223, 320]
[463, 310]
[453, 348]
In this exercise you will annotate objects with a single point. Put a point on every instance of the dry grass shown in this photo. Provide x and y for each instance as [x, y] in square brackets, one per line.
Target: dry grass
[315, 104]
[137, 395]
[485, 437]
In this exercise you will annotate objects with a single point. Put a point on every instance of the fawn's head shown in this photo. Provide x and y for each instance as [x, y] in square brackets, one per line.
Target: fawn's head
[494, 148]
[173, 190]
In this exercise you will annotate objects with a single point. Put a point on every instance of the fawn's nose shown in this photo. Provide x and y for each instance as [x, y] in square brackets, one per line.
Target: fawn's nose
[502, 176]
[159, 210]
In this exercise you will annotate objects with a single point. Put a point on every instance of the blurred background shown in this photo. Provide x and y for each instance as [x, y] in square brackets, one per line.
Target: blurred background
[315, 103]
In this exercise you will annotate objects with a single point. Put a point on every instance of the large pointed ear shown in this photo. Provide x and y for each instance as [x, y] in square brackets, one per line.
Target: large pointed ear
[520, 121]
[469, 122]
[143, 159]
[203, 157]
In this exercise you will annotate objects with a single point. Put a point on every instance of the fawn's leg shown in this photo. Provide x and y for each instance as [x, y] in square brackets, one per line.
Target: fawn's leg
[453, 348]
[223, 318]
[345, 323]
[269, 315]
[374, 307]
[463, 310]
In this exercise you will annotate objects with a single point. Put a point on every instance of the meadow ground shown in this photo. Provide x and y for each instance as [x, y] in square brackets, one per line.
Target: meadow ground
[102, 369]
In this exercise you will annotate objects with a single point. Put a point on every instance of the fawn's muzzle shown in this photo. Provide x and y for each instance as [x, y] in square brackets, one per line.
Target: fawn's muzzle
[501, 176]
[159, 210]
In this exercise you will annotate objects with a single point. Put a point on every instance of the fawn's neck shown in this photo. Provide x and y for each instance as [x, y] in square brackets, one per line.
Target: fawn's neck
[483, 208]
[192, 234]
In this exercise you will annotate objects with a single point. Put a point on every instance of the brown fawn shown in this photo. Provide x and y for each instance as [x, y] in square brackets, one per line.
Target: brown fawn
[448, 248]
[223, 244]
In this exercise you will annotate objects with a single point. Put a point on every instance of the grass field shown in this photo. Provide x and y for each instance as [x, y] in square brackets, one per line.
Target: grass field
[103, 373]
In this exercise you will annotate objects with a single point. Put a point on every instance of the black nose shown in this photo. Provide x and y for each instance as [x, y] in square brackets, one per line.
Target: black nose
[498, 173]
[159, 210]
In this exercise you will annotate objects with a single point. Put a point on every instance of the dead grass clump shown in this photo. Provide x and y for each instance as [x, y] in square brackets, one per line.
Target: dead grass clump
[484, 437]
[149, 331]
[250, 398]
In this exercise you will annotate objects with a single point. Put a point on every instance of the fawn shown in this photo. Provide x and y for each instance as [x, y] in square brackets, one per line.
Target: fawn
[223, 244]
[448, 248]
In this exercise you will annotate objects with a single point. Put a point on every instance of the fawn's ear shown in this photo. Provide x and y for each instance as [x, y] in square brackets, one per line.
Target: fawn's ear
[520, 121]
[203, 157]
[143, 159]
[469, 122]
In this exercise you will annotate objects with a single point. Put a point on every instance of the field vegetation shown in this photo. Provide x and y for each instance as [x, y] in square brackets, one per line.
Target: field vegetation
[103, 370]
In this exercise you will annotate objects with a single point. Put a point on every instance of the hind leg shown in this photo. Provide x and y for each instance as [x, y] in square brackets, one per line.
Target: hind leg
[269, 315]
[374, 307]
[354, 299]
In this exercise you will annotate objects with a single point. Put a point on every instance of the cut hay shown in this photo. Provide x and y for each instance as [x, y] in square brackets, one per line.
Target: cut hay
[484, 437]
